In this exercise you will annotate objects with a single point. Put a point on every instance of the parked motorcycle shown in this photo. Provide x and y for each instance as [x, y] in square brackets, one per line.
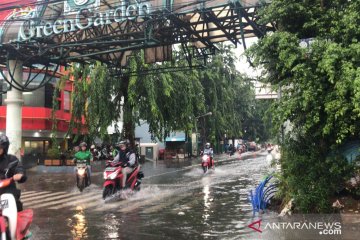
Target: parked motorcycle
[13, 224]
[81, 175]
[113, 178]
[207, 162]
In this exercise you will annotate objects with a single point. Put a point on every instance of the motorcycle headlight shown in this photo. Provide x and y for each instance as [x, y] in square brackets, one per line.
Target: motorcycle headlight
[204, 158]
[113, 175]
[81, 172]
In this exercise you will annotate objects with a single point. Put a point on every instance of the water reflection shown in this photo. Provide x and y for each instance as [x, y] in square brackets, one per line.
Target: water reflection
[207, 203]
[112, 226]
[212, 206]
[78, 224]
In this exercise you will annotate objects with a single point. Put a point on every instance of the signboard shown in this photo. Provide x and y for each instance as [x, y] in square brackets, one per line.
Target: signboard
[126, 10]
[71, 6]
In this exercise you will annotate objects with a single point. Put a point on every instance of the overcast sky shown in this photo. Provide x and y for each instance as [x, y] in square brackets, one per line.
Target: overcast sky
[243, 66]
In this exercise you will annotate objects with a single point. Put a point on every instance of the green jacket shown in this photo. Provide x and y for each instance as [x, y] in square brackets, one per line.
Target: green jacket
[114, 153]
[85, 156]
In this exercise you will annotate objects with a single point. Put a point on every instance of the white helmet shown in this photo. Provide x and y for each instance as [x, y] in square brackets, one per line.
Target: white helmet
[207, 145]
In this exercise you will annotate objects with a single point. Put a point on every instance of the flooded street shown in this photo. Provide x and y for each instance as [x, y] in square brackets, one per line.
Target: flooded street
[176, 202]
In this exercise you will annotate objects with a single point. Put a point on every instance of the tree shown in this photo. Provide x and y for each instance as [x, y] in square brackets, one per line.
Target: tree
[167, 101]
[229, 95]
[319, 86]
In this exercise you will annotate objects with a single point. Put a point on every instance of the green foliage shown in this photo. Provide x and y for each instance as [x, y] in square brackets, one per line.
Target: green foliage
[319, 83]
[309, 177]
[53, 153]
[258, 124]
[319, 87]
[230, 97]
[168, 101]
[55, 106]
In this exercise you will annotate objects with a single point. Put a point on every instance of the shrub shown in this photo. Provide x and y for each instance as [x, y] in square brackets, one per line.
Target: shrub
[309, 176]
[53, 153]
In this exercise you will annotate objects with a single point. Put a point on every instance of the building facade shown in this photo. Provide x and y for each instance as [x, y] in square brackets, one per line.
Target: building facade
[37, 119]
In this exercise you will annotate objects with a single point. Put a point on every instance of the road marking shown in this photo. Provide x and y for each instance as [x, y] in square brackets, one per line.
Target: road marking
[70, 200]
[83, 200]
[34, 194]
[35, 203]
[27, 192]
[44, 196]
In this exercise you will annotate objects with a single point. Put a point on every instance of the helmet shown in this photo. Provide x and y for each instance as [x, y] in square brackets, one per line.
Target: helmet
[125, 142]
[83, 144]
[207, 145]
[4, 143]
[92, 146]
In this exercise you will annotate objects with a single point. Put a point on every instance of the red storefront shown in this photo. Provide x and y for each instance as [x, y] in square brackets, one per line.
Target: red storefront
[37, 119]
[37, 108]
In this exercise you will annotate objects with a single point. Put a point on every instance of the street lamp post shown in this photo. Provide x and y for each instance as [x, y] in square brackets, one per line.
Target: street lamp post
[196, 130]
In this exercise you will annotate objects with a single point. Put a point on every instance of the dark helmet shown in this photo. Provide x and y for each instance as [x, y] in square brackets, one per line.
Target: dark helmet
[4, 143]
[83, 144]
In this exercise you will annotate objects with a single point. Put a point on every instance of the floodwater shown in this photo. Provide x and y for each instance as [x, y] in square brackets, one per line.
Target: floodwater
[176, 201]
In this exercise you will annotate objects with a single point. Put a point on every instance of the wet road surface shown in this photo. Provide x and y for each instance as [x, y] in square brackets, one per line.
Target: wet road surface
[176, 201]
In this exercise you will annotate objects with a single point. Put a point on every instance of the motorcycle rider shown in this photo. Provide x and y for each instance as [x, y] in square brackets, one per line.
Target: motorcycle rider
[269, 148]
[208, 151]
[18, 174]
[113, 152]
[127, 158]
[95, 153]
[85, 155]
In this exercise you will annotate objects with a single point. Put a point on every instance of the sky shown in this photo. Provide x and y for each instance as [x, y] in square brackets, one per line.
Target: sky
[242, 65]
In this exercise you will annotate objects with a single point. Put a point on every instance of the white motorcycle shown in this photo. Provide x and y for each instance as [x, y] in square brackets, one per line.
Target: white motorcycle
[81, 175]
[13, 224]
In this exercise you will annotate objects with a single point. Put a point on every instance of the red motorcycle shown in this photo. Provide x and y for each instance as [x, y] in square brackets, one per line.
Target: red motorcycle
[206, 162]
[13, 224]
[113, 178]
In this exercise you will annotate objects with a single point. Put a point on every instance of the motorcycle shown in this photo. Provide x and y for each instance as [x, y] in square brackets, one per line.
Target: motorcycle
[113, 178]
[207, 162]
[13, 224]
[81, 175]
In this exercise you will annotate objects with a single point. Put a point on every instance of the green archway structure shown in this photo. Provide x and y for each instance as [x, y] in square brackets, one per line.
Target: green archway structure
[55, 32]
[39, 36]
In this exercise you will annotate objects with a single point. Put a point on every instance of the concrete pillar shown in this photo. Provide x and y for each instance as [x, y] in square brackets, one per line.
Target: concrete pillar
[14, 101]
